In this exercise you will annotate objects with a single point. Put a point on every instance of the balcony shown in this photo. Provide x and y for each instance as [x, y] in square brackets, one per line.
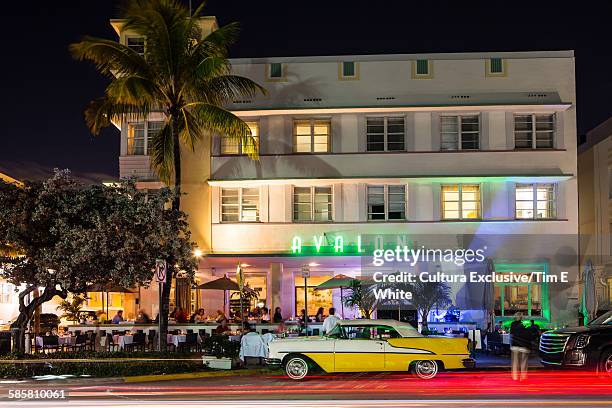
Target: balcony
[400, 164]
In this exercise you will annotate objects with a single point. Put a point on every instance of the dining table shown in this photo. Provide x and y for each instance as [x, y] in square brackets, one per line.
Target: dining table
[121, 340]
[176, 339]
[62, 340]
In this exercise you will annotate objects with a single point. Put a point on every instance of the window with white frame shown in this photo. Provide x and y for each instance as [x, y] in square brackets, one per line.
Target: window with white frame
[460, 132]
[386, 202]
[237, 147]
[460, 201]
[312, 204]
[421, 69]
[496, 66]
[534, 131]
[385, 134]
[312, 136]
[240, 204]
[136, 43]
[349, 69]
[140, 137]
[535, 201]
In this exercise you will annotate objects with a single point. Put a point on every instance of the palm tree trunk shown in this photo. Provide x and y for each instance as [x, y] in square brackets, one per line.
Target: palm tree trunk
[164, 308]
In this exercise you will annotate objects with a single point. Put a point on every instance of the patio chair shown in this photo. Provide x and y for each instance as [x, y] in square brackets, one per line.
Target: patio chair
[190, 343]
[152, 335]
[138, 342]
[50, 343]
[110, 343]
[80, 343]
[90, 344]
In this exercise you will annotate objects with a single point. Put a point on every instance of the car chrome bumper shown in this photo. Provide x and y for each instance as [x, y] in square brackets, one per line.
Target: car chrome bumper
[468, 362]
[272, 361]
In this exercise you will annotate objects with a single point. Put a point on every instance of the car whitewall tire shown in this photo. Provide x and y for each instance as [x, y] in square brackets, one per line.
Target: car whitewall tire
[297, 368]
[426, 369]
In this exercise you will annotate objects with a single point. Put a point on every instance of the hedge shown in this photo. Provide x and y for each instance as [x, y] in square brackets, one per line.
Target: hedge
[172, 364]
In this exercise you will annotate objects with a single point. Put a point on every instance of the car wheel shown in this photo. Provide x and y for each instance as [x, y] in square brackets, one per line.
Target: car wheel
[426, 369]
[297, 368]
[606, 363]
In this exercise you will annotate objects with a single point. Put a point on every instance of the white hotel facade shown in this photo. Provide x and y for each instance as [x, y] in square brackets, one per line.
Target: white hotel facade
[450, 145]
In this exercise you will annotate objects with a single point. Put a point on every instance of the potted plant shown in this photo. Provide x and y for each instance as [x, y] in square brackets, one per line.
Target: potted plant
[72, 308]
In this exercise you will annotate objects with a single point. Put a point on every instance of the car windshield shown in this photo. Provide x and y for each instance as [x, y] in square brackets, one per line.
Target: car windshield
[603, 319]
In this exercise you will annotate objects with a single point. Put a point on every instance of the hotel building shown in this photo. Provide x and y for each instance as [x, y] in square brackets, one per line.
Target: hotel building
[441, 150]
[595, 208]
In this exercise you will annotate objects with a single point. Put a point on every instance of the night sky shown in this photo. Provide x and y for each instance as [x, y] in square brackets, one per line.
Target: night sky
[44, 90]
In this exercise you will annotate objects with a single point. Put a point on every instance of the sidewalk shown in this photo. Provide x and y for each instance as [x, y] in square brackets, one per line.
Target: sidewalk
[492, 361]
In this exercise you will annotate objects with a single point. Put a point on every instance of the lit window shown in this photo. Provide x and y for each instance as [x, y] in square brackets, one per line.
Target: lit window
[7, 292]
[312, 204]
[349, 69]
[386, 203]
[275, 70]
[535, 201]
[534, 131]
[239, 204]
[233, 146]
[459, 132]
[385, 134]
[311, 136]
[141, 135]
[136, 44]
[461, 201]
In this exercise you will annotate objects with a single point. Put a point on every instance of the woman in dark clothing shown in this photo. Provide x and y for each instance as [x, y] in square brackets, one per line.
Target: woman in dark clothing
[521, 339]
[278, 317]
[319, 316]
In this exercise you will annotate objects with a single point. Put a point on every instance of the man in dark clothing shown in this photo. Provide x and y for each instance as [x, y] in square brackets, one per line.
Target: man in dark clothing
[520, 346]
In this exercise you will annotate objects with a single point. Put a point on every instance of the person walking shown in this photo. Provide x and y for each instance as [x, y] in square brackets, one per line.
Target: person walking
[520, 346]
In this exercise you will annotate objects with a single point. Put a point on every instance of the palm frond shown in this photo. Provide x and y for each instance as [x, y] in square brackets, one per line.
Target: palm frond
[227, 88]
[162, 153]
[216, 119]
[134, 91]
[101, 112]
[110, 57]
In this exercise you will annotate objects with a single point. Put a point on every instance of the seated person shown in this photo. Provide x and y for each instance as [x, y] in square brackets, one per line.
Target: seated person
[265, 315]
[118, 318]
[142, 317]
[200, 316]
[220, 316]
[222, 327]
[181, 316]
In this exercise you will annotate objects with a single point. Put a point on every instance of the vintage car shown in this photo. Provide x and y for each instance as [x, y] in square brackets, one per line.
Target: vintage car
[370, 345]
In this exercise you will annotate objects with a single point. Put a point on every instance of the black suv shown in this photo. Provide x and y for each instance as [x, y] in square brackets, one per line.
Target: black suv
[587, 347]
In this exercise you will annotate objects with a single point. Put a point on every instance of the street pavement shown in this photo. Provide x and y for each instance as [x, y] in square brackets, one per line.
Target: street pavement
[470, 388]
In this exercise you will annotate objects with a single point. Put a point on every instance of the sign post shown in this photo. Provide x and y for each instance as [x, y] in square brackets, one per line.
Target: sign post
[306, 275]
[160, 277]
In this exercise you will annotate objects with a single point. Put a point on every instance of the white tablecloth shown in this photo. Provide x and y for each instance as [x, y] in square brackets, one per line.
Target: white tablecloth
[63, 341]
[176, 339]
[123, 340]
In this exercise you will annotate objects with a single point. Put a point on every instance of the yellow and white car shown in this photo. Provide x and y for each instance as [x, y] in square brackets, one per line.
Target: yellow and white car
[370, 345]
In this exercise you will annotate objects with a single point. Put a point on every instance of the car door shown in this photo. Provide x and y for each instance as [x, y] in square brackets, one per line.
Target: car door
[355, 352]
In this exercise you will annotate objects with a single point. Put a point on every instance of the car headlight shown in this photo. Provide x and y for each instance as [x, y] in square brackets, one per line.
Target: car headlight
[582, 341]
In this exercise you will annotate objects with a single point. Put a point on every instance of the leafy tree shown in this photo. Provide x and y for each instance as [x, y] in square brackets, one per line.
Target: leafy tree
[361, 295]
[182, 73]
[69, 236]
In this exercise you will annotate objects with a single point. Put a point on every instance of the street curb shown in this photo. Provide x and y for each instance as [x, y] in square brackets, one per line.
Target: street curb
[196, 375]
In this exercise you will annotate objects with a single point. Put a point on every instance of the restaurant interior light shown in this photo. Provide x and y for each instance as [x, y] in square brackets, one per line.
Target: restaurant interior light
[197, 253]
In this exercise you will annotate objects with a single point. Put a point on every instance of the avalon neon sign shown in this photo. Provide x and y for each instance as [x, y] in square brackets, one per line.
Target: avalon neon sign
[324, 244]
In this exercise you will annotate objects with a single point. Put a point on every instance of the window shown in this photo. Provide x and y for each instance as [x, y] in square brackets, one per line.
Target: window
[461, 201]
[495, 67]
[311, 136]
[510, 299]
[534, 131]
[230, 146]
[386, 203]
[369, 332]
[239, 204]
[421, 69]
[312, 204]
[385, 134]
[275, 70]
[137, 44]
[535, 201]
[140, 137]
[348, 70]
[459, 132]
[316, 298]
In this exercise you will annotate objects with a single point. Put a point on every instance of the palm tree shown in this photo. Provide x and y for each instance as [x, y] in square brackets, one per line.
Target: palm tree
[182, 73]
